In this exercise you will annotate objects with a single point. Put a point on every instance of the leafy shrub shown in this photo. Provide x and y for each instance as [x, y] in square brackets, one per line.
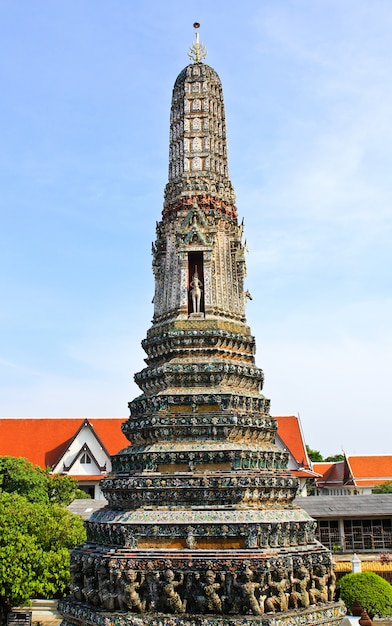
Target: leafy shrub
[372, 592]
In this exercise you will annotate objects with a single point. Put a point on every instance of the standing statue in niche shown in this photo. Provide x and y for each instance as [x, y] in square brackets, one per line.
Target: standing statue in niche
[196, 286]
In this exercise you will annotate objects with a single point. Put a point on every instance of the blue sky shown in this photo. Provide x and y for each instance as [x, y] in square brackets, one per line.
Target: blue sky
[86, 89]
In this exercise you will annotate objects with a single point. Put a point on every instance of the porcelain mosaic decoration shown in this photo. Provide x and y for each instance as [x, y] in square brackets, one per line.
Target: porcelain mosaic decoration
[200, 526]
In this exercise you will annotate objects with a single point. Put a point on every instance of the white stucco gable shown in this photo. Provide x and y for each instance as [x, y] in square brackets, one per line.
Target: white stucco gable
[85, 455]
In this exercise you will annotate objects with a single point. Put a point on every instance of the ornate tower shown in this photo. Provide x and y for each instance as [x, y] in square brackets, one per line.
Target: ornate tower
[200, 525]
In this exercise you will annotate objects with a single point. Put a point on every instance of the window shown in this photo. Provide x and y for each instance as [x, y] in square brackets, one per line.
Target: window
[328, 533]
[85, 458]
[370, 534]
[89, 489]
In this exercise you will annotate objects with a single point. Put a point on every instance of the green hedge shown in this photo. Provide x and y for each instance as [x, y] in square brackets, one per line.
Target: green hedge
[372, 592]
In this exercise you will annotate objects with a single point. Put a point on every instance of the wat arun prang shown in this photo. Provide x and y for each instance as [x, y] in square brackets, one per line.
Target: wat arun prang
[200, 526]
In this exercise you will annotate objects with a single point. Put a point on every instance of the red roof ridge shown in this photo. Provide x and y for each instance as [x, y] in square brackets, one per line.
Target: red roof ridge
[64, 417]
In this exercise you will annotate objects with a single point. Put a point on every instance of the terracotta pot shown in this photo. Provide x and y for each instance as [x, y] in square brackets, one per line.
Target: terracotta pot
[365, 619]
[356, 608]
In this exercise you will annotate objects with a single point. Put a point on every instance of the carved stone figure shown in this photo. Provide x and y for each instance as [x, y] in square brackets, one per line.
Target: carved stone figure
[90, 591]
[76, 586]
[319, 585]
[299, 594]
[196, 288]
[190, 539]
[278, 586]
[171, 599]
[213, 603]
[252, 538]
[129, 599]
[247, 590]
[105, 588]
[152, 590]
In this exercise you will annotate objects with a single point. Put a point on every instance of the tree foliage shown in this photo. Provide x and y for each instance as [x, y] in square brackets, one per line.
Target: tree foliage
[18, 475]
[35, 541]
[335, 458]
[372, 592]
[37, 533]
[384, 488]
[314, 455]
[317, 457]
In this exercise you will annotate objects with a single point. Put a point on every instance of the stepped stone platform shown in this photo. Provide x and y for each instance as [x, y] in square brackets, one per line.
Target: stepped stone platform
[331, 615]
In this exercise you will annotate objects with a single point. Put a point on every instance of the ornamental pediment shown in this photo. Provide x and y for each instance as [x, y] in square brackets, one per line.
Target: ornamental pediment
[195, 237]
[194, 228]
[195, 217]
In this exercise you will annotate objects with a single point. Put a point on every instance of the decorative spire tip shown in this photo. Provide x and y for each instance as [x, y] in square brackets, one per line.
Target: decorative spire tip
[197, 51]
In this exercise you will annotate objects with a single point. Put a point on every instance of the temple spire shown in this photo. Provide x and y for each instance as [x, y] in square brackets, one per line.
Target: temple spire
[200, 525]
[197, 51]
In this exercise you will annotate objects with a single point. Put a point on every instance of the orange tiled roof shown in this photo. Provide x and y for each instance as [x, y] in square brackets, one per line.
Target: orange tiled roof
[369, 483]
[289, 430]
[43, 440]
[370, 468]
[322, 467]
[302, 473]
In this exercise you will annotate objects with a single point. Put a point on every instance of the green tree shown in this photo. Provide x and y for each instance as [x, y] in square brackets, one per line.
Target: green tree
[372, 592]
[64, 489]
[317, 457]
[37, 532]
[314, 455]
[35, 541]
[18, 475]
[384, 488]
